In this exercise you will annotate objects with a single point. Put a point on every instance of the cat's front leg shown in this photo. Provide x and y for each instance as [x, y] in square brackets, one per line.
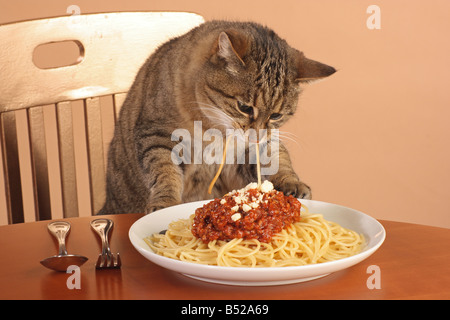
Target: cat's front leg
[286, 180]
[163, 178]
[166, 189]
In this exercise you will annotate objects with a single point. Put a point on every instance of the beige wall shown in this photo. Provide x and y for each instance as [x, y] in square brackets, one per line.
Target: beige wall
[375, 135]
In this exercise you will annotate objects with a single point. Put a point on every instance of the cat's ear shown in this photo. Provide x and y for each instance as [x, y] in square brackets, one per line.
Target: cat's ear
[310, 70]
[231, 47]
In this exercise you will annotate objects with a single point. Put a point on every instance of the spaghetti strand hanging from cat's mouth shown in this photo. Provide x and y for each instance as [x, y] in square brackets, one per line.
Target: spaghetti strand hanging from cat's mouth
[221, 165]
[258, 165]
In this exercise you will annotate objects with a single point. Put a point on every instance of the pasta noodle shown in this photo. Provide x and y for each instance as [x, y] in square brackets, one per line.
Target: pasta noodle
[258, 165]
[211, 185]
[312, 240]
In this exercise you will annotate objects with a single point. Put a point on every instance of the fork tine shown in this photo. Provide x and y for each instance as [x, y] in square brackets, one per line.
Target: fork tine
[109, 261]
[117, 261]
[98, 265]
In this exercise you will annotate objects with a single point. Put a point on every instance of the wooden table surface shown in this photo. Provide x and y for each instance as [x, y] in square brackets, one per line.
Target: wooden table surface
[414, 263]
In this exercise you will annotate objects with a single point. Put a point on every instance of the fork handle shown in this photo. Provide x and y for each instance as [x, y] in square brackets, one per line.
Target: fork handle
[103, 227]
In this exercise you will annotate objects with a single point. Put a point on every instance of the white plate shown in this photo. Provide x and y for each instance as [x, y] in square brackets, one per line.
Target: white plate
[372, 230]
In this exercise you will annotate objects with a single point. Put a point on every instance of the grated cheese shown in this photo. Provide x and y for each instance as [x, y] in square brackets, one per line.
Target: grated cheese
[242, 200]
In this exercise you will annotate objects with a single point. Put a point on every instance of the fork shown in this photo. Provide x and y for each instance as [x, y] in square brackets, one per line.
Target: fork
[105, 259]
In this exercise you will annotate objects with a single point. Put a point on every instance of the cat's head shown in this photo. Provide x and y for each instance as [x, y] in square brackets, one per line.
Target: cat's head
[252, 78]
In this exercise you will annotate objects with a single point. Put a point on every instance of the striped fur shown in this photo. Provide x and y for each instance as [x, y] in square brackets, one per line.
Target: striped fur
[203, 76]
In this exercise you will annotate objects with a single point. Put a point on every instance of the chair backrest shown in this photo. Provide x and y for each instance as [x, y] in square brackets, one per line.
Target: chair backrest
[56, 123]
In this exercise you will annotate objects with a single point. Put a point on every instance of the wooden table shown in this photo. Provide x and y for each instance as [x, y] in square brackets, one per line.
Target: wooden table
[414, 263]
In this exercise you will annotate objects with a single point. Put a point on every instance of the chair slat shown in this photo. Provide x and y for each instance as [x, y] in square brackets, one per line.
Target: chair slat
[4, 190]
[96, 158]
[40, 162]
[119, 98]
[67, 158]
[108, 124]
[81, 158]
[54, 163]
[11, 161]
[26, 169]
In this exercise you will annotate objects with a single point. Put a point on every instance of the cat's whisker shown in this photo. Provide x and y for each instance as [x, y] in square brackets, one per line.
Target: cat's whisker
[287, 133]
[223, 117]
[200, 104]
[213, 109]
[285, 137]
[220, 126]
[213, 113]
[216, 118]
[295, 138]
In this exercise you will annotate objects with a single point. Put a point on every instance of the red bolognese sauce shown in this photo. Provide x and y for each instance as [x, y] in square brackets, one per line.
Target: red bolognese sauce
[249, 213]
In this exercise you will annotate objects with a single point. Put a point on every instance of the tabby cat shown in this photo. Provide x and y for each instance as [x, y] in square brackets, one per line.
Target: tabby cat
[225, 74]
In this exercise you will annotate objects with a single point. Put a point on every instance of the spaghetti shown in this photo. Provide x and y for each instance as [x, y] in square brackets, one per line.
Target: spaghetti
[311, 240]
[258, 165]
[211, 185]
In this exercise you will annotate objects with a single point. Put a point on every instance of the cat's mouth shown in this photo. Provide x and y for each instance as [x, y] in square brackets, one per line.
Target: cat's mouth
[253, 136]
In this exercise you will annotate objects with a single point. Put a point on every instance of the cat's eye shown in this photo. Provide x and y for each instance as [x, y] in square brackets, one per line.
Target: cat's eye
[275, 116]
[245, 108]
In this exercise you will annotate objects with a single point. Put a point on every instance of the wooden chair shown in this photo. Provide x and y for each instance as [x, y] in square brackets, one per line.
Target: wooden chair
[56, 123]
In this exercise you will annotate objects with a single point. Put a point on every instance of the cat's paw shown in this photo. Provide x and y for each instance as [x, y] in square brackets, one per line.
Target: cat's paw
[151, 209]
[159, 204]
[295, 188]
